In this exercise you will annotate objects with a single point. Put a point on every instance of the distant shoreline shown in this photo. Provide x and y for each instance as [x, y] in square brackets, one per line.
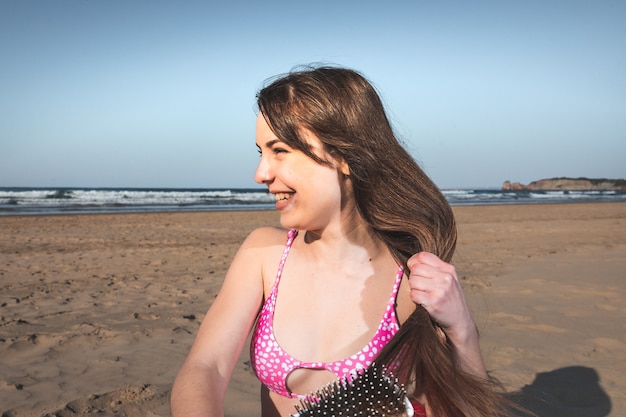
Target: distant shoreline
[568, 184]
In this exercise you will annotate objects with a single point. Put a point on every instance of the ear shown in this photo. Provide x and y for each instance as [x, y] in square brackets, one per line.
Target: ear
[345, 169]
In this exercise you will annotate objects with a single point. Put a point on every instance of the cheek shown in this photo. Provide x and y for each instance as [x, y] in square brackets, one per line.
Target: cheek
[325, 187]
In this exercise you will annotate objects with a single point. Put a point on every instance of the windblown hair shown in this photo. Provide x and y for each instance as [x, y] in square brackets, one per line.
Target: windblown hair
[395, 197]
[400, 203]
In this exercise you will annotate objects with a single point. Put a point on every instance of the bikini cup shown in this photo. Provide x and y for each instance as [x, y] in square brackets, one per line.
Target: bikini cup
[273, 365]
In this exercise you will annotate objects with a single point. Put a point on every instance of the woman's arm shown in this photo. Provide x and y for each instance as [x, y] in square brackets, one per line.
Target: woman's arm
[435, 285]
[200, 386]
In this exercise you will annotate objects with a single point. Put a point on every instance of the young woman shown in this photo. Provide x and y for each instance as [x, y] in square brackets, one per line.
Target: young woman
[365, 246]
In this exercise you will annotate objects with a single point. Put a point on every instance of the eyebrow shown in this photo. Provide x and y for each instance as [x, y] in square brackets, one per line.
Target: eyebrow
[270, 143]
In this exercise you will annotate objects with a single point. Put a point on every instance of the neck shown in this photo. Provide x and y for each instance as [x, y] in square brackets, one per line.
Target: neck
[350, 239]
[347, 239]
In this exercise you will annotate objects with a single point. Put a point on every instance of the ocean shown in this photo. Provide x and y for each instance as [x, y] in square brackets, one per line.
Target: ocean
[40, 201]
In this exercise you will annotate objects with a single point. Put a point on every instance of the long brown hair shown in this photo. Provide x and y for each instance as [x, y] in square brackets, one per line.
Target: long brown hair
[399, 202]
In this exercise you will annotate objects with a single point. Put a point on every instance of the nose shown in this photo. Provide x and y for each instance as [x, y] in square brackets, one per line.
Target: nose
[263, 175]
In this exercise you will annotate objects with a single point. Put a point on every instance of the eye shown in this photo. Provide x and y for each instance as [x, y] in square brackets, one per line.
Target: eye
[278, 150]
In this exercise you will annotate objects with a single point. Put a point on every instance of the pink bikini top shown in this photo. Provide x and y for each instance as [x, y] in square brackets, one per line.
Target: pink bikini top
[272, 364]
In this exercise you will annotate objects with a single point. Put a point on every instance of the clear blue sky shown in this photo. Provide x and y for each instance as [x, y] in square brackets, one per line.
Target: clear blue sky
[130, 93]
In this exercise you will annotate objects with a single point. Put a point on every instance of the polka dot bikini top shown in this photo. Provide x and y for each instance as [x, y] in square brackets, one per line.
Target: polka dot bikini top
[272, 364]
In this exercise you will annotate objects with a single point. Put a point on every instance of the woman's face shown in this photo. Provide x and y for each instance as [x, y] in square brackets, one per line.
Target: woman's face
[308, 194]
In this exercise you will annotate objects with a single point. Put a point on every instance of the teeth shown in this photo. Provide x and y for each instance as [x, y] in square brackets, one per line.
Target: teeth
[282, 196]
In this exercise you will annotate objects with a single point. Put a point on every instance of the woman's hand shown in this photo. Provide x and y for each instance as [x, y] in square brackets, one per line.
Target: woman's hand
[435, 286]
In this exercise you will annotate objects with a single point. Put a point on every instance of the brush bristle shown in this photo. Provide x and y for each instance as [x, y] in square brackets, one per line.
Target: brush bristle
[370, 393]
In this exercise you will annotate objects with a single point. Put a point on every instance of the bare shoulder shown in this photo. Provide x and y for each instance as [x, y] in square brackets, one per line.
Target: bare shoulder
[231, 315]
[263, 246]
[266, 237]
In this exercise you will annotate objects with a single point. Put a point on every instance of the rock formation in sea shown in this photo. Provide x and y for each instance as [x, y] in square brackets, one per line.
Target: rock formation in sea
[569, 184]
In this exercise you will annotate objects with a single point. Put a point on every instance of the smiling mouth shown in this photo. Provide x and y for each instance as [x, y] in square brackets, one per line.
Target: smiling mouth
[282, 196]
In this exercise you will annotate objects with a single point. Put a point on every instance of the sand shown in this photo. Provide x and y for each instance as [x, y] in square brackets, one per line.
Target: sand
[97, 312]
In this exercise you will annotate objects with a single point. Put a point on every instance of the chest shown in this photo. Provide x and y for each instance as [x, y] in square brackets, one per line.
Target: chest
[329, 315]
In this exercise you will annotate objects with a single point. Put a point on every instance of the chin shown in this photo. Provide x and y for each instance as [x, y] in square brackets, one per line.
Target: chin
[290, 225]
[286, 222]
[291, 222]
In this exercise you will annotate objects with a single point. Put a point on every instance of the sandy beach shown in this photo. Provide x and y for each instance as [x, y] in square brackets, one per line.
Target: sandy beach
[97, 312]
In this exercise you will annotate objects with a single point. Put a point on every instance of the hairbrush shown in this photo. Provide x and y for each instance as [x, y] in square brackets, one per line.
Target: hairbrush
[371, 392]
